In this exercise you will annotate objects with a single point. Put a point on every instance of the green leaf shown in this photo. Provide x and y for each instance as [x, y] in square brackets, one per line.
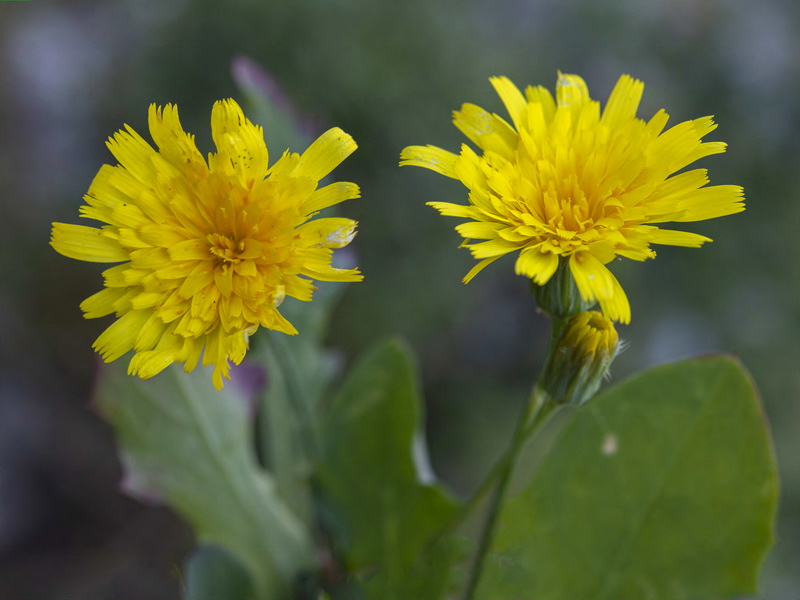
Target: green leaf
[431, 577]
[189, 446]
[211, 574]
[374, 476]
[662, 488]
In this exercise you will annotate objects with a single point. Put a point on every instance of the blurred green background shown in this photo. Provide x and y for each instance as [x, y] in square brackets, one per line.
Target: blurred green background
[389, 73]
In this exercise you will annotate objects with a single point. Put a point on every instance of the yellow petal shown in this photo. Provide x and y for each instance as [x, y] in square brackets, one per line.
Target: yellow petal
[623, 102]
[241, 150]
[711, 202]
[121, 336]
[86, 243]
[669, 237]
[536, 265]
[330, 195]
[200, 277]
[150, 363]
[236, 345]
[102, 303]
[251, 249]
[190, 250]
[192, 349]
[512, 98]
[151, 333]
[571, 90]
[174, 144]
[479, 230]
[278, 322]
[541, 107]
[680, 145]
[334, 232]
[116, 276]
[150, 258]
[332, 274]
[147, 300]
[297, 287]
[430, 157]
[480, 266]
[135, 154]
[595, 282]
[453, 210]
[223, 277]
[496, 247]
[325, 154]
[488, 131]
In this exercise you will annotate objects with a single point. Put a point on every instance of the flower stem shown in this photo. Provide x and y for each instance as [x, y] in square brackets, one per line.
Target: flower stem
[535, 414]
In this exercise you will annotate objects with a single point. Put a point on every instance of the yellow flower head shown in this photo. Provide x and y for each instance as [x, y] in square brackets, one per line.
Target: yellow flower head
[569, 181]
[209, 249]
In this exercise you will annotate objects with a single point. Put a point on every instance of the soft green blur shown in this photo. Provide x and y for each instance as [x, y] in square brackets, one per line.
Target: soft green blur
[389, 74]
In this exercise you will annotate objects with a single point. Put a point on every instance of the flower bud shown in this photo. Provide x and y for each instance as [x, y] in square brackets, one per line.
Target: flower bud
[580, 358]
[559, 297]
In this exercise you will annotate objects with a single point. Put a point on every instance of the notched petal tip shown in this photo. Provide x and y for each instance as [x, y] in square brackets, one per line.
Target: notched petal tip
[326, 153]
[89, 244]
[571, 90]
[512, 98]
[430, 157]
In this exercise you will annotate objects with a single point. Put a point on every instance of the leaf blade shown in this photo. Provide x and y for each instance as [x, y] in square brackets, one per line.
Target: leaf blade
[184, 444]
[664, 487]
[374, 477]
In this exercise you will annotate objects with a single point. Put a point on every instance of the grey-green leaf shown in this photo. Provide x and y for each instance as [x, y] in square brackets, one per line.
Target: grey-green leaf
[382, 496]
[662, 488]
[189, 446]
[211, 574]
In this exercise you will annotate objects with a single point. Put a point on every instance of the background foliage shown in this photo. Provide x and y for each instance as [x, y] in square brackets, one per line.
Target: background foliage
[388, 73]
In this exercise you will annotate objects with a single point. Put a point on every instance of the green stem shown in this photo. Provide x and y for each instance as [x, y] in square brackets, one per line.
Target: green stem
[535, 414]
[524, 430]
[486, 486]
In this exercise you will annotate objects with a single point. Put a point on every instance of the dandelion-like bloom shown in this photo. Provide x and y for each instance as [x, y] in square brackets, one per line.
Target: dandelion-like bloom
[209, 249]
[567, 181]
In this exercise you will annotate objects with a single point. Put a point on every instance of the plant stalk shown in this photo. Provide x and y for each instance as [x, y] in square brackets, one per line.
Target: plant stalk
[535, 414]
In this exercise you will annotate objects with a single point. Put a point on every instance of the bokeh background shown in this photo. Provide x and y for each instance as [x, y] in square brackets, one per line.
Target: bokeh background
[389, 73]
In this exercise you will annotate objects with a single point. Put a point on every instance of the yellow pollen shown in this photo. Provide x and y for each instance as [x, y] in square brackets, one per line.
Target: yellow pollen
[225, 248]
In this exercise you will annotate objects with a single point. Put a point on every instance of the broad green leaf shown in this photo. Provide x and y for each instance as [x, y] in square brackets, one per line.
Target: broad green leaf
[430, 578]
[189, 446]
[662, 488]
[211, 574]
[374, 477]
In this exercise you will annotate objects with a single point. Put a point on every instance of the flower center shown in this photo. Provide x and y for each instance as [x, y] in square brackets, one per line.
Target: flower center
[225, 248]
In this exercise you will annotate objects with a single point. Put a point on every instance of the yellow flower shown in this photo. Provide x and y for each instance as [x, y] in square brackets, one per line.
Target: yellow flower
[208, 249]
[569, 182]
